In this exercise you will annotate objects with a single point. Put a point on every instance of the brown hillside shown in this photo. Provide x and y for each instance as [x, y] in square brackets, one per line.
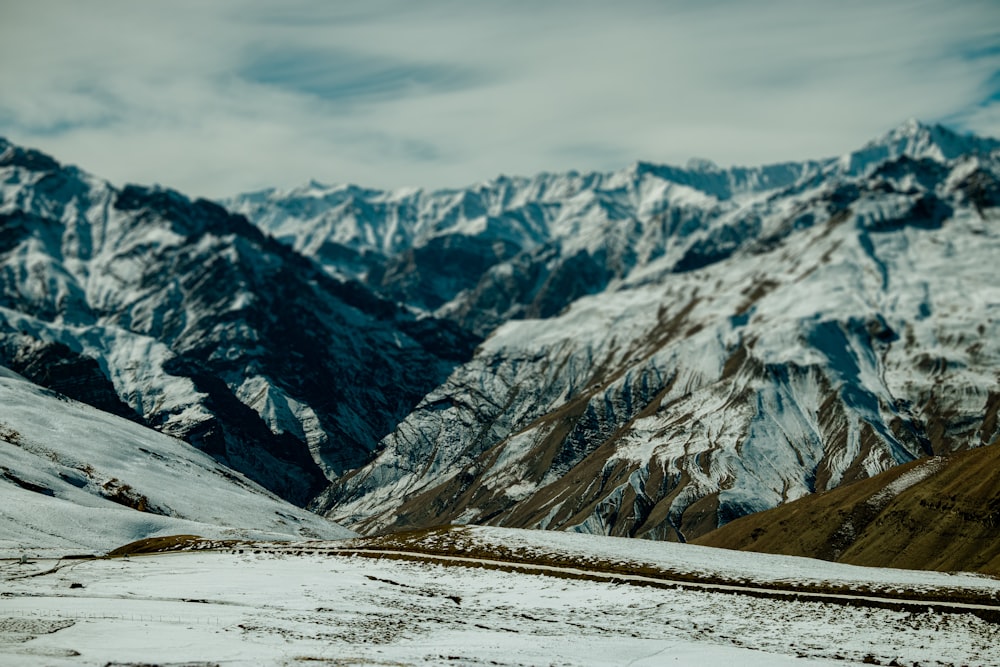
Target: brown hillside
[940, 513]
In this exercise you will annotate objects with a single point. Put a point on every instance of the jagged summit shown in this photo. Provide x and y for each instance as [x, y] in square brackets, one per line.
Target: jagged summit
[701, 164]
[913, 136]
[917, 140]
[29, 158]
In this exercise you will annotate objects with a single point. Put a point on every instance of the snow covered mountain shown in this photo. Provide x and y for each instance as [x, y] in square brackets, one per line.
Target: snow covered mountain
[735, 347]
[527, 247]
[665, 349]
[189, 319]
[73, 478]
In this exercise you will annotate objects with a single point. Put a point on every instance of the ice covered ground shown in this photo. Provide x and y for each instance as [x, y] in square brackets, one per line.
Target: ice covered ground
[285, 609]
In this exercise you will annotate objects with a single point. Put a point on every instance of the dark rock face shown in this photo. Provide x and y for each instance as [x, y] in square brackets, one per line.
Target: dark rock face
[27, 158]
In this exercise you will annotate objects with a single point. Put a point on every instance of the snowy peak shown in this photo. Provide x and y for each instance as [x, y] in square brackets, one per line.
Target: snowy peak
[917, 141]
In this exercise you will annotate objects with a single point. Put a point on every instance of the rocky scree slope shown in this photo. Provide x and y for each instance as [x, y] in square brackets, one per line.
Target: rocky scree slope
[782, 339]
[189, 319]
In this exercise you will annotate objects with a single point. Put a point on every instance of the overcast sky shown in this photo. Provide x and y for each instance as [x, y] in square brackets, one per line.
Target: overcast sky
[216, 98]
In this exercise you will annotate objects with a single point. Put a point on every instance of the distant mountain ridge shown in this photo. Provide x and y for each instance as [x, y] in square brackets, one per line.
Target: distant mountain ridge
[517, 247]
[649, 352]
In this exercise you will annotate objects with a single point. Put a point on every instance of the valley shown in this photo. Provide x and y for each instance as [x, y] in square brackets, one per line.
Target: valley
[480, 334]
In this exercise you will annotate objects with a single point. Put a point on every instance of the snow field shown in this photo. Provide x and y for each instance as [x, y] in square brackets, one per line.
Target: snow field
[711, 562]
[237, 609]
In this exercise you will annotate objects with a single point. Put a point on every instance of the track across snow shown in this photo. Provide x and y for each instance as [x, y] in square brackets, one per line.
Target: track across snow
[991, 611]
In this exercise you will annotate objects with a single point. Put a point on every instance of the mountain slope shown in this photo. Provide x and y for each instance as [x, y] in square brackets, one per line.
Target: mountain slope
[802, 338]
[141, 301]
[76, 478]
[941, 513]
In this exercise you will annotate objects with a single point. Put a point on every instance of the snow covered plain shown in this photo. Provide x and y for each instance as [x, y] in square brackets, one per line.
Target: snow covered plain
[303, 606]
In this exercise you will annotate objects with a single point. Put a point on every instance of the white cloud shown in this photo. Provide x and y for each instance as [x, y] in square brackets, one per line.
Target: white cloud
[215, 98]
[983, 120]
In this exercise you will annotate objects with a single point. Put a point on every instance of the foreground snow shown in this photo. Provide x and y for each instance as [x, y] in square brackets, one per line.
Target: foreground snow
[234, 609]
[707, 562]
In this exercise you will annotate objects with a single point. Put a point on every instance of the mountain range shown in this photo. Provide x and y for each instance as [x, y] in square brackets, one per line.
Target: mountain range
[652, 352]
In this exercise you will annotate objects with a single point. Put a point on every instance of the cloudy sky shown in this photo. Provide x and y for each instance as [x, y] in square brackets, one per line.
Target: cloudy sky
[221, 97]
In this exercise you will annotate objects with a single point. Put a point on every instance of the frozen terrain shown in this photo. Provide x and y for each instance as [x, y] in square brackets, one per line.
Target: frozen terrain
[74, 479]
[253, 606]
